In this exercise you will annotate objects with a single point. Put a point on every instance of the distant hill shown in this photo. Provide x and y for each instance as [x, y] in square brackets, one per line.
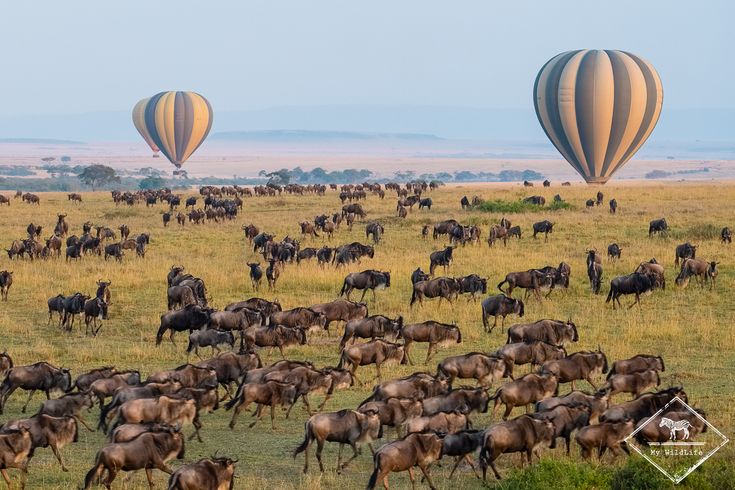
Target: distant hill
[286, 135]
[41, 141]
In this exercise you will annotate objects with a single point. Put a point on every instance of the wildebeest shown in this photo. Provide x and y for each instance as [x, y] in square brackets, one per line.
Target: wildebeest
[613, 206]
[394, 412]
[419, 275]
[566, 419]
[473, 284]
[6, 280]
[524, 391]
[376, 352]
[532, 279]
[514, 231]
[700, 269]
[726, 235]
[534, 353]
[463, 400]
[373, 327]
[265, 307]
[94, 309]
[554, 332]
[374, 230]
[209, 337]
[644, 405]
[658, 226]
[191, 317]
[69, 405]
[655, 271]
[147, 451]
[172, 410]
[431, 332]
[544, 227]
[685, 251]
[114, 250]
[590, 203]
[256, 274]
[523, 434]
[367, 279]
[613, 251]
[537, 200]
[417, 386]
[594, 273]
[578, 365]
[402, 455]
[272, 273]
[126, 392]
[274, 336]
[444, 422]
[500, 305]
[604, 436]
[597, 403]
[340, 310]
[637, 364]
[485, 369]
[496, 233]
[208, 473]
[15, 446]
[47, 431]
[660, 431]
[444, 227]
[462, 444]
[345, 427]
[270, 393]
[636, 283]
[441, 287]
[300, 317]
[39, 376]
[180, 297]
[634, 383]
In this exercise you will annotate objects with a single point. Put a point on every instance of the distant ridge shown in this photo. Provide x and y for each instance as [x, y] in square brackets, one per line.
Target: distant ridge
[41, 141]
[299, 135]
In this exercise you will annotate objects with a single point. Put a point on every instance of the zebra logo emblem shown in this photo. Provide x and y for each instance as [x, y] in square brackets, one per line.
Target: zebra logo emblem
[674, 426]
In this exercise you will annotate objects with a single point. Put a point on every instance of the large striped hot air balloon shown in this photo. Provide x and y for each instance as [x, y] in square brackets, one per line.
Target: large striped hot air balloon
[178, 122]
[597, 107]
[139, 122]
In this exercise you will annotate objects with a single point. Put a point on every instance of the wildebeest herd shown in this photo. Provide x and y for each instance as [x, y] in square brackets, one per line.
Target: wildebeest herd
[429, 411]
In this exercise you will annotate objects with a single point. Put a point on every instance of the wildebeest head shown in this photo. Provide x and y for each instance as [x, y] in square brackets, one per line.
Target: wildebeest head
[518, 306]
[62, 379]
[571, 330]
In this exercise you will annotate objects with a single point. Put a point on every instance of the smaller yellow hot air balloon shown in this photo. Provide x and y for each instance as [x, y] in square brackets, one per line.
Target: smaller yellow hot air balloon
[139, 122]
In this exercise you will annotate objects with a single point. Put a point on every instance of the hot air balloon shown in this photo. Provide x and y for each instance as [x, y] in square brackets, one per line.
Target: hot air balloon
[178, 122]
[597, 107]
[139, 122]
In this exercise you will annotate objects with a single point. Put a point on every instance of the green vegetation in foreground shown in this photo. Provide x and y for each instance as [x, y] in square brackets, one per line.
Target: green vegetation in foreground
[500, 206]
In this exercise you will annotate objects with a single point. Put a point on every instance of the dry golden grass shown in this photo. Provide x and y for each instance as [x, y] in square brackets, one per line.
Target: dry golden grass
[691, 328]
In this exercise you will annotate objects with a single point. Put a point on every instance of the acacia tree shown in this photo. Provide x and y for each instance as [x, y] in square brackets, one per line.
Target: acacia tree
[98, 175]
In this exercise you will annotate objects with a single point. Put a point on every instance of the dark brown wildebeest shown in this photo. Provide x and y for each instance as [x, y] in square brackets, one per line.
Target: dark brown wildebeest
[533, 353]
[340, 310]
[419, 275]
[62, 227]
[482, 367]
[39, 376]
[54, 244]
[324, 255]
[16, 249]
[188, 375]
[374, 230]
[181, 218]
[84, 381]
[114, 250]
[439, 422]
[74, 197]
[464, 400]
[544, 227]
[685, 251]
[47, 431]
[355, 209]
[635, 383]
[473, 284]
[527, 183]
[4, 200]
[594, 273]
[444, 227]
[597, 403]
[72, 306]
[55, 305]
[274, 336]
[537, 200]
[464, 203]
[300, 317]
[94, 309]
[590, 203]
[207, 473]
[265, 307]
[402, 455]
[614, 251]
[236, 320]
[394, 412]
[554, 332]
[231, 367]
[604, 436]
[531, 279]
[124, 231]
[402, 211]
[69, 405]
[425, 230]
[500, 305]
[658, 226]
[431, 332]
[270, 393]
[165, 409]
[305, 254]
[256, 274]
[191, 317]
[637, 364]
[425, 203]
[599, 198]
[209, 337]
[104, 233]
[15, 446]
[105, 387]
[578, 365]
[547, 183]
[6, 280]
[726, 235]
[462, 444]
[497, 232]
[272, 273]
[642, 406]
[524, 391]
[566, 419]
[441, 287]
[660, 431]
[180, 297]
[636, 283]
[613, 206]
[251, 231]
[373, 327]
[376, 352]
[367, 279]
[523, 434]
[416, 386]
[166, 218]
[345, 427]
[147, 451]
[514, 231]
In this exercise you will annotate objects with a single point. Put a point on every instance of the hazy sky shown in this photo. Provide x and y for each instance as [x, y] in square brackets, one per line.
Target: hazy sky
[82, 56]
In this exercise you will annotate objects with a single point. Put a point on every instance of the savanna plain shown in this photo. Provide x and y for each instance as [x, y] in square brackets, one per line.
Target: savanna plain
[691, 328]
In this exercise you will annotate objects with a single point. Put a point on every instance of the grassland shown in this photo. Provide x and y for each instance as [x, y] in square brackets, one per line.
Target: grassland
[691, 328]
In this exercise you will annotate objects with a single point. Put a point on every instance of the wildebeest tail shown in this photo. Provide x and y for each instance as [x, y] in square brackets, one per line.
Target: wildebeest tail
[500, 284]
[94, 473]
[374, 477]
[308, 438]
[342, 360]
[497, 393]
[344, 287]
[609, 295]
[413, 296]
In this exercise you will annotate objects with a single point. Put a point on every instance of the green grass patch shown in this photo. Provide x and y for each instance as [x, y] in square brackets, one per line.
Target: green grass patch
[500, 206]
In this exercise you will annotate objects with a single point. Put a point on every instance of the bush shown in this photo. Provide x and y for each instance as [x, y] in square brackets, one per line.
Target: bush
[499, 206]
[701, 231]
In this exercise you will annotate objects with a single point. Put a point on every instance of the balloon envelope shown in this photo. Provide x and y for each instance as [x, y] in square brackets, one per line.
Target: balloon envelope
[597, 107]
[139, 122]
[178, 123]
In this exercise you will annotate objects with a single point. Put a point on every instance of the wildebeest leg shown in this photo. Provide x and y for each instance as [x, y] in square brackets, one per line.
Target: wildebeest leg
[457, 460]
[407, 348]
[260, 415]
[589, 380]
[58, 456]
[197, 425]
[111, 474]
[319, 448]
[306, 403]
[428, 353]
[83, 422]
[235, 413]
[171, 337]
[280, 348]
[412, 477]
[361, 297]
[425, 471]
[33, 392]
[637, 301]
[508, 409]
[355, 453]
[4, 472]
[373, 290]
[573, 384]
[377, 369]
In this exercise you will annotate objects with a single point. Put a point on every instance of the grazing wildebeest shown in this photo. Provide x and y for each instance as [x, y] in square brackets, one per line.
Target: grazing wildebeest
[444, 227]
[345, 427]
[274, 336]
[579, 365]
[15, 447]
[39, 376]
[685, 251]
[613, 251]
[554, 332]
[472, 284]
[374, 230]
[367, 279]
[431, 332]
[147, 451]
[114, 250]
[658, 226]
[209, 337]
[532, 279]
[544, 227]
[256, 274]
[85, 380]
[500, 305]
[613, 206]
[700, 269]
[270, 393]
[341, 310]
[419, 275]
[636, 283]
[191, 317]
[514, 231]
[590, 203]
[726, 235]
[16, 249]
[634, 383]
[6, 280]
[47, 431]
[441, 287]
[376, 352]
[604, 436]
[523, 434]
[208, 473]
[94, 309]
[566, 419]
[482, 367]
[534, 353]
[642, 406]
[402, 455]
[373, 327]
[355, 209]
[537, 200]
[524, 391]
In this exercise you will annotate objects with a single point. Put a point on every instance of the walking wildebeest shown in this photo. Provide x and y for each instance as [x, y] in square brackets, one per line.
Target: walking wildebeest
[462, 444]
[114, 250]
[594, 272]
[256, 274]
[345, 427]
[604, 436]
[613, 251]
[524, 391]
[472, 284]
[209, 337]
[523, 434]
[270, 393]
[544, 227]
[642, 406]
[394, 412]
[444, 422]
[375, 230]
[500, 305]
[485, 369]
[597, 403]
[441, 287]
[462, 400]
[634, 383]
[94, 309]
[685, 251]
[39, 376]
[654, 270]
[531, 279]
[47, 431]
[208, 473]
[534, 353]
[340, 310]
[554, 332]
[659, 431]
[636, 283]
[6, 280]
[272, 273]
[637, 364]
[613, 206]
[431, 332]
[444, 227]
[373, 327]
[376, 352]
[566, 419]
[402, 455]
[367, 279]
[274, 336]
[578, 365]
[700, 269]
[419, 275]
[658, 226]
[498, 232]
[300, 317]
[417, 386]
[15, 446]
[191, 317]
